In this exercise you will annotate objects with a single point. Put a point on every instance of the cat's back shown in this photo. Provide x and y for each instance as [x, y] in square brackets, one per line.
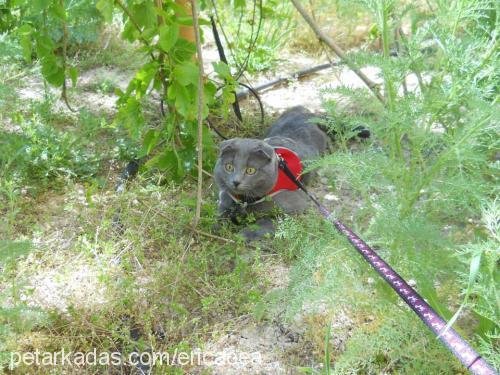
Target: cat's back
[297, 124]
[292, 121]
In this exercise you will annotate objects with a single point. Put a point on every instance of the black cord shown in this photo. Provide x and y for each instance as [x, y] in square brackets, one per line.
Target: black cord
[211, 126]
[162, 108]
[222, 56]
[226, 39]
[256, 95]
[253, 37]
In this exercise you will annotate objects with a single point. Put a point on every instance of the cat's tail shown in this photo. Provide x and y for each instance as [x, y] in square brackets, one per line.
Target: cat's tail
[359, 131]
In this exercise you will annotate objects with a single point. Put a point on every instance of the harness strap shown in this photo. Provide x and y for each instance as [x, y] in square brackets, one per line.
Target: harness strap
[449, 337]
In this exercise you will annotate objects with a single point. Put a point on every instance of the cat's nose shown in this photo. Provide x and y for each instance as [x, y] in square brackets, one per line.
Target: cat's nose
[236, 183]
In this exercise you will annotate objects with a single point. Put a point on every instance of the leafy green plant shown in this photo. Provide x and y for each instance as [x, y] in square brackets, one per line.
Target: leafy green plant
[43, 154]
[417, 189]
[44, 31]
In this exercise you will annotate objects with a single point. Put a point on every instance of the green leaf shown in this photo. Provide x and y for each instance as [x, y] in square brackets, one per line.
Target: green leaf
[162, 13]
[179, 10]
[150, 141]
[130, 33]
[183, 101]
[183, 51]
[143, 78]
[24, 33]
[44, 46]
[204, 22]
[58, 11]
[40, 5]
[475, 264]
[222, 69]
[187, 158]
[239, 4]
[185, 20]
[209, 90]
[25, 42]
[209, 148]
[52, 70]
[130, 116]
[168, 36]
[90, 191]
[106, 9]
[186, 74]
[144, 14]
[73, 73]
[168, 161]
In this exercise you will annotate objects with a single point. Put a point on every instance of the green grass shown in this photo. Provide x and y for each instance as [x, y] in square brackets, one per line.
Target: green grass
[169, 293]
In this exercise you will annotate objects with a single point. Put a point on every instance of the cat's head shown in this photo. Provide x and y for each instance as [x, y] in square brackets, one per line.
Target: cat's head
[246, 167]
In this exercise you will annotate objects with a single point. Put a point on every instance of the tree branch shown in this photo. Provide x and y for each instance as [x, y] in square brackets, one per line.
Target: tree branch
[337, 50]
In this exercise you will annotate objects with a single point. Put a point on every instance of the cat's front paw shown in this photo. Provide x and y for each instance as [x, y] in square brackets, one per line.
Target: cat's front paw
[261, 229]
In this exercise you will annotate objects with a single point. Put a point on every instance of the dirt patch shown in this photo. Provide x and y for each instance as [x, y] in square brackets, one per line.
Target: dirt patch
[312, 91]
[276, 346]
[105, 76]
[98, 85]
[75, 285]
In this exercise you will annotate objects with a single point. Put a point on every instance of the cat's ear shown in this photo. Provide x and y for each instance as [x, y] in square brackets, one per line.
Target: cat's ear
[264, 154]
[226, 146]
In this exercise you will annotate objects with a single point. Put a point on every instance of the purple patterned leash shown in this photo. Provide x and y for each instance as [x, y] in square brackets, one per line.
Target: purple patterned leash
[450, 338]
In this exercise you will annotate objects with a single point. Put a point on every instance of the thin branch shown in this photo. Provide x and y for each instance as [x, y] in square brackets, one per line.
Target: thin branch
[337, 50]
[215, 237]
[194, 8]
[64, 93]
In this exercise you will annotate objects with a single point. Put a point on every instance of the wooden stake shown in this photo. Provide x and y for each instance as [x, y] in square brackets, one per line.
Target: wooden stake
[187, 32]
[199, 197]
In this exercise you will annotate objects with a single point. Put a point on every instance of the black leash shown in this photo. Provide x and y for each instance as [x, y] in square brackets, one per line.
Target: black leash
[448, 336]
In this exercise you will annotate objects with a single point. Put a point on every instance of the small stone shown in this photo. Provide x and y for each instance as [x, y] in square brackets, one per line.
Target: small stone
[370, 281]
[412, 282]
[331, 197]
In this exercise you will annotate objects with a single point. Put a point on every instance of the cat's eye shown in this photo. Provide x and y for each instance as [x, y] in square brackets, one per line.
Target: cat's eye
[229, 167]
[250, 170]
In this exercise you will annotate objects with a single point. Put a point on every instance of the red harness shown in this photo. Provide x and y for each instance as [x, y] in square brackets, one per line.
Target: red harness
[294, 164]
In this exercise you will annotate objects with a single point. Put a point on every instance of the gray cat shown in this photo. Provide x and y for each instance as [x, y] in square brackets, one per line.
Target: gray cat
[247, 171]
